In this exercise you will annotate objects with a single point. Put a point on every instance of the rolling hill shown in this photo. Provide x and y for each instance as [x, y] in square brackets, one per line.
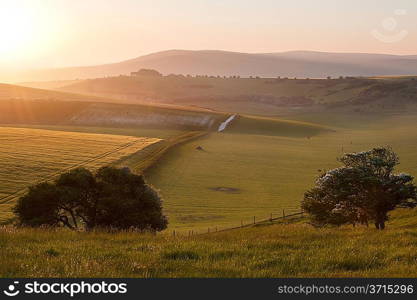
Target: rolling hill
[21, 105]
[213, 62]
[259, 96]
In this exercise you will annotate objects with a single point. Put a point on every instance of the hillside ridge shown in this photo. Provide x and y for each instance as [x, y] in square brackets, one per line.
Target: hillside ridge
[216, 62]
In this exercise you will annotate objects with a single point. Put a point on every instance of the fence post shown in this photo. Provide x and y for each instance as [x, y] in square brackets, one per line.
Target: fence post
[270, 218]
[254, 222]
[283, 213]
[173, 233]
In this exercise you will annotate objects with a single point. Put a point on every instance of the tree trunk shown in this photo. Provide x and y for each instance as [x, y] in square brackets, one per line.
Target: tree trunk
[74, 219]
[380, 223]
[64, 220]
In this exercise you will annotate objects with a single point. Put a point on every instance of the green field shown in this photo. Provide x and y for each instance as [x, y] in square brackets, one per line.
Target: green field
[291, 250]
[257, 167]
[28, 156]
[209, 180]
[239, 174]
[269, 170]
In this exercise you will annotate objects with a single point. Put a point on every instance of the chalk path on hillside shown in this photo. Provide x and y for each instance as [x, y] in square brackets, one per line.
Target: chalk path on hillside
[226, 123]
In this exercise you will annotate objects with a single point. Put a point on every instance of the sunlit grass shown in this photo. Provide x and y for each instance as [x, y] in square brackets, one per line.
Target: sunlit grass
[28, 156]
[268, 172]
[291, 250]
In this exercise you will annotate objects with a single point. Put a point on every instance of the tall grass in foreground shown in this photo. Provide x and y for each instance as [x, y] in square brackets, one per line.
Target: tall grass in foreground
[291, 250]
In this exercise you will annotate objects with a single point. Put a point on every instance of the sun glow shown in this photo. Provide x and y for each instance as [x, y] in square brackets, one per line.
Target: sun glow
[16, 27]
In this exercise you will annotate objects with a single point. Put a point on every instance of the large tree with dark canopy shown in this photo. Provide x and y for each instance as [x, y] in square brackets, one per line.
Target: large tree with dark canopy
[127, 201]
[111, 198]
[39, 206]
[364, 189]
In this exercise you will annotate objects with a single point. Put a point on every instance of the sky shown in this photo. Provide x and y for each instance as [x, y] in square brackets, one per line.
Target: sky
[59, 33]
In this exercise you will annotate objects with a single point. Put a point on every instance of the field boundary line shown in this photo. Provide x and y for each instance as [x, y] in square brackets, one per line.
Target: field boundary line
[156, 155]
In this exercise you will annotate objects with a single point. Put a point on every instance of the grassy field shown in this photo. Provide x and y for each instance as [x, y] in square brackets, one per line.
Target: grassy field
[290, 250]
[257, 167]
[28, 156]
[239, 174]
[61, 154]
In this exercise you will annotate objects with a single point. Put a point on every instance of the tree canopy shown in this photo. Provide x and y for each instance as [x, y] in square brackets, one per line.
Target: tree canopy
[364, 189]
[111, 198]
[147, 72]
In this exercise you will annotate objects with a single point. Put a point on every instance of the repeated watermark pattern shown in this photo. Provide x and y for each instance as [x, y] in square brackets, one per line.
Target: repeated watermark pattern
[390, 31]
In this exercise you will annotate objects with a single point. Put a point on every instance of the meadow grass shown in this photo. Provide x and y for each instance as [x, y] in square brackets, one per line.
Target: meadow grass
[253, 169]
[279, 250]
[257, 125]
[264, 173]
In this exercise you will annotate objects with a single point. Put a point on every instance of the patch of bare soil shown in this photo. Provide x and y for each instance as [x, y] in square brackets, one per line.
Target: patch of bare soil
[229, 190]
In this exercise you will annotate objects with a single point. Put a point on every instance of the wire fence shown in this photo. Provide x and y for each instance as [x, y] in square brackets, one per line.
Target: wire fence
[254, 221]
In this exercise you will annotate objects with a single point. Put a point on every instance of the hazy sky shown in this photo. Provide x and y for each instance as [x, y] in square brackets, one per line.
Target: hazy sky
[52, 33]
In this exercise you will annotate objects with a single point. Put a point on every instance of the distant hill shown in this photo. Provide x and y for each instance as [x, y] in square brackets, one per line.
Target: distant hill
[258, 96]
[213, 62]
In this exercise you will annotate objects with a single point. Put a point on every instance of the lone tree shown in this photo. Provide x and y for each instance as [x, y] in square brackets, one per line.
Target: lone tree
[111, 198]
[364, 189]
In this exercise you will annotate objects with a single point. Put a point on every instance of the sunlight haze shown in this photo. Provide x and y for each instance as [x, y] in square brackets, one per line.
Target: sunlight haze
[44, 34]
[208, 139]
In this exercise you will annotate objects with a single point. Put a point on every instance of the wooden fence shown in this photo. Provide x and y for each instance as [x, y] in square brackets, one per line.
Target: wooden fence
[215, 229]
